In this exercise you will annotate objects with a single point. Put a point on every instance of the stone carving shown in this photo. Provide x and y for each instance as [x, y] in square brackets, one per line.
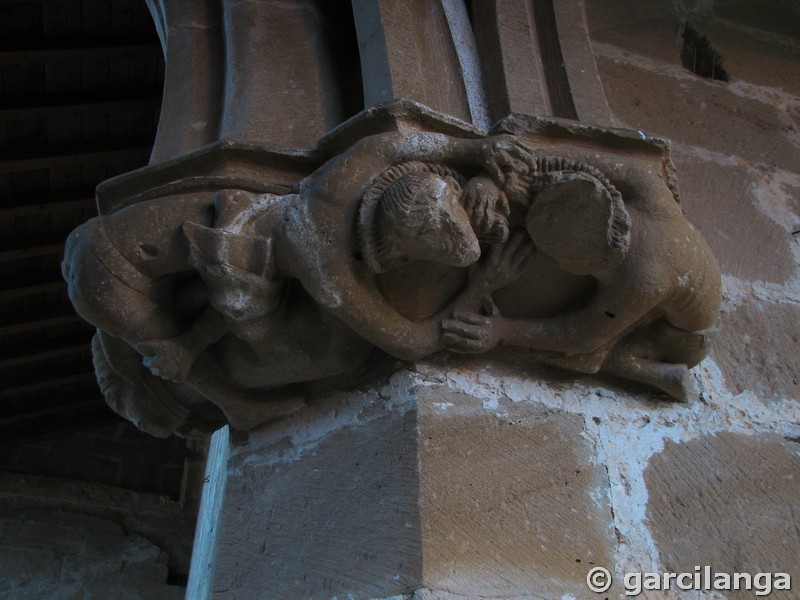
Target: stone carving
[658, 287]
[223, 304]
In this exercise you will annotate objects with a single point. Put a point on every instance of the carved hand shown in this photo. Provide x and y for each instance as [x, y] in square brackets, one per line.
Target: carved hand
[505, 154]
[504, 264]
[471, 333]
[487, 208]
[167, 359]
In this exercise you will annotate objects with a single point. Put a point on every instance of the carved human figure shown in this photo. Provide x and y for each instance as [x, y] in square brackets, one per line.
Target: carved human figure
[658, 285]
[133, 273]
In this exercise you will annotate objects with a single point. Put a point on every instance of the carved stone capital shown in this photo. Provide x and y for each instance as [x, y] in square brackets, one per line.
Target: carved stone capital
[236, 283]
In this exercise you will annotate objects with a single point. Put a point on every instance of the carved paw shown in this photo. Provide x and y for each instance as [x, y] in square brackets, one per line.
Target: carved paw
[167, 359]
[505, 154]
[675, 381]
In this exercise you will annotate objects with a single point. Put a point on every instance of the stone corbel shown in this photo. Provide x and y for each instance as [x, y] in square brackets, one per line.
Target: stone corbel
[235, 282]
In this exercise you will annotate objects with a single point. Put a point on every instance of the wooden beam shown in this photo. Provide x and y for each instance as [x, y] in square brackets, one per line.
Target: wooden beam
[42, 355]
[60, 105]
[28, 205]
[58, 409]
[36, 324]
[32, 210]
[31, 251]
[46, 384]
[32, 286]
[98, 49]
[51, 157]
[56, 421]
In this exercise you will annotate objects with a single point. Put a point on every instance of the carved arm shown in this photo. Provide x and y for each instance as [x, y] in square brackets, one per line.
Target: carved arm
[606, 317]
[347, 174]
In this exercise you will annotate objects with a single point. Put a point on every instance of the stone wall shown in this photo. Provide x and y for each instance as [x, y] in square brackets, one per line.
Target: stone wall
[62, 555]
[100, 513]
[66, 538]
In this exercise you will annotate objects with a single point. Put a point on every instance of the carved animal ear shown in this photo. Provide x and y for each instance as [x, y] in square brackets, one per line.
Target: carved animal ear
[230, 206]
[203, 245]
[578, 220]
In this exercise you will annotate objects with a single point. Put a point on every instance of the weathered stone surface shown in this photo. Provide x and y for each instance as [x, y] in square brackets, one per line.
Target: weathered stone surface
[709, 190]
[219, 87]
[537, 60]
[782, 16]
[757, 349]
[329, 506]
[698, 112]
[419, 485]
[390, 32]
[506, 36]
[63, 555]
[647, 28]
[511, 505]
[651, 29]
[728, 501]
[753, 60]
[579, 64]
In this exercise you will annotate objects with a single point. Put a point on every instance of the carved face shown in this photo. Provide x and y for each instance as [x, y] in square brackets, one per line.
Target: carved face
[440, 229]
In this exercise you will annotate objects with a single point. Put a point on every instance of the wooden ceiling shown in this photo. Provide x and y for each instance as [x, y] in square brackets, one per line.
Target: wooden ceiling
[80, 94]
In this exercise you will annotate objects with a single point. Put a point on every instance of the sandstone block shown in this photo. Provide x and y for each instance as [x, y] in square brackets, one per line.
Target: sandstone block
[729, 501]
[422, 486]
[699, 113]
[509, 503]
[756, 61]
[709, 190]
[649, 28]
[757, 350]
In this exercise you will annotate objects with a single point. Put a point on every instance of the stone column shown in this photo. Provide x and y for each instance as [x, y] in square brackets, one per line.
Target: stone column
[458, 480]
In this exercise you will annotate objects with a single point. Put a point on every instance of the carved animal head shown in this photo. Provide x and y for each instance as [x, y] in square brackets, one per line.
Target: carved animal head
[236, 269]
[579, 223]
[420, 217]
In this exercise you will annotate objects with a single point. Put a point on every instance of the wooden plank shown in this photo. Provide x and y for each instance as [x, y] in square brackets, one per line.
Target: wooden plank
[93, 50]
[57, 411]
[31, 288]
[55, 421]
[31, 251]
[36, 324]
[85, 201]
[52, 157]
[25, 359]
[46, 384]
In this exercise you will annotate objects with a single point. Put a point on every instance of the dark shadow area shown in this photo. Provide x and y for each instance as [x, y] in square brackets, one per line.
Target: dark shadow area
[699, 56]
[340, 29]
